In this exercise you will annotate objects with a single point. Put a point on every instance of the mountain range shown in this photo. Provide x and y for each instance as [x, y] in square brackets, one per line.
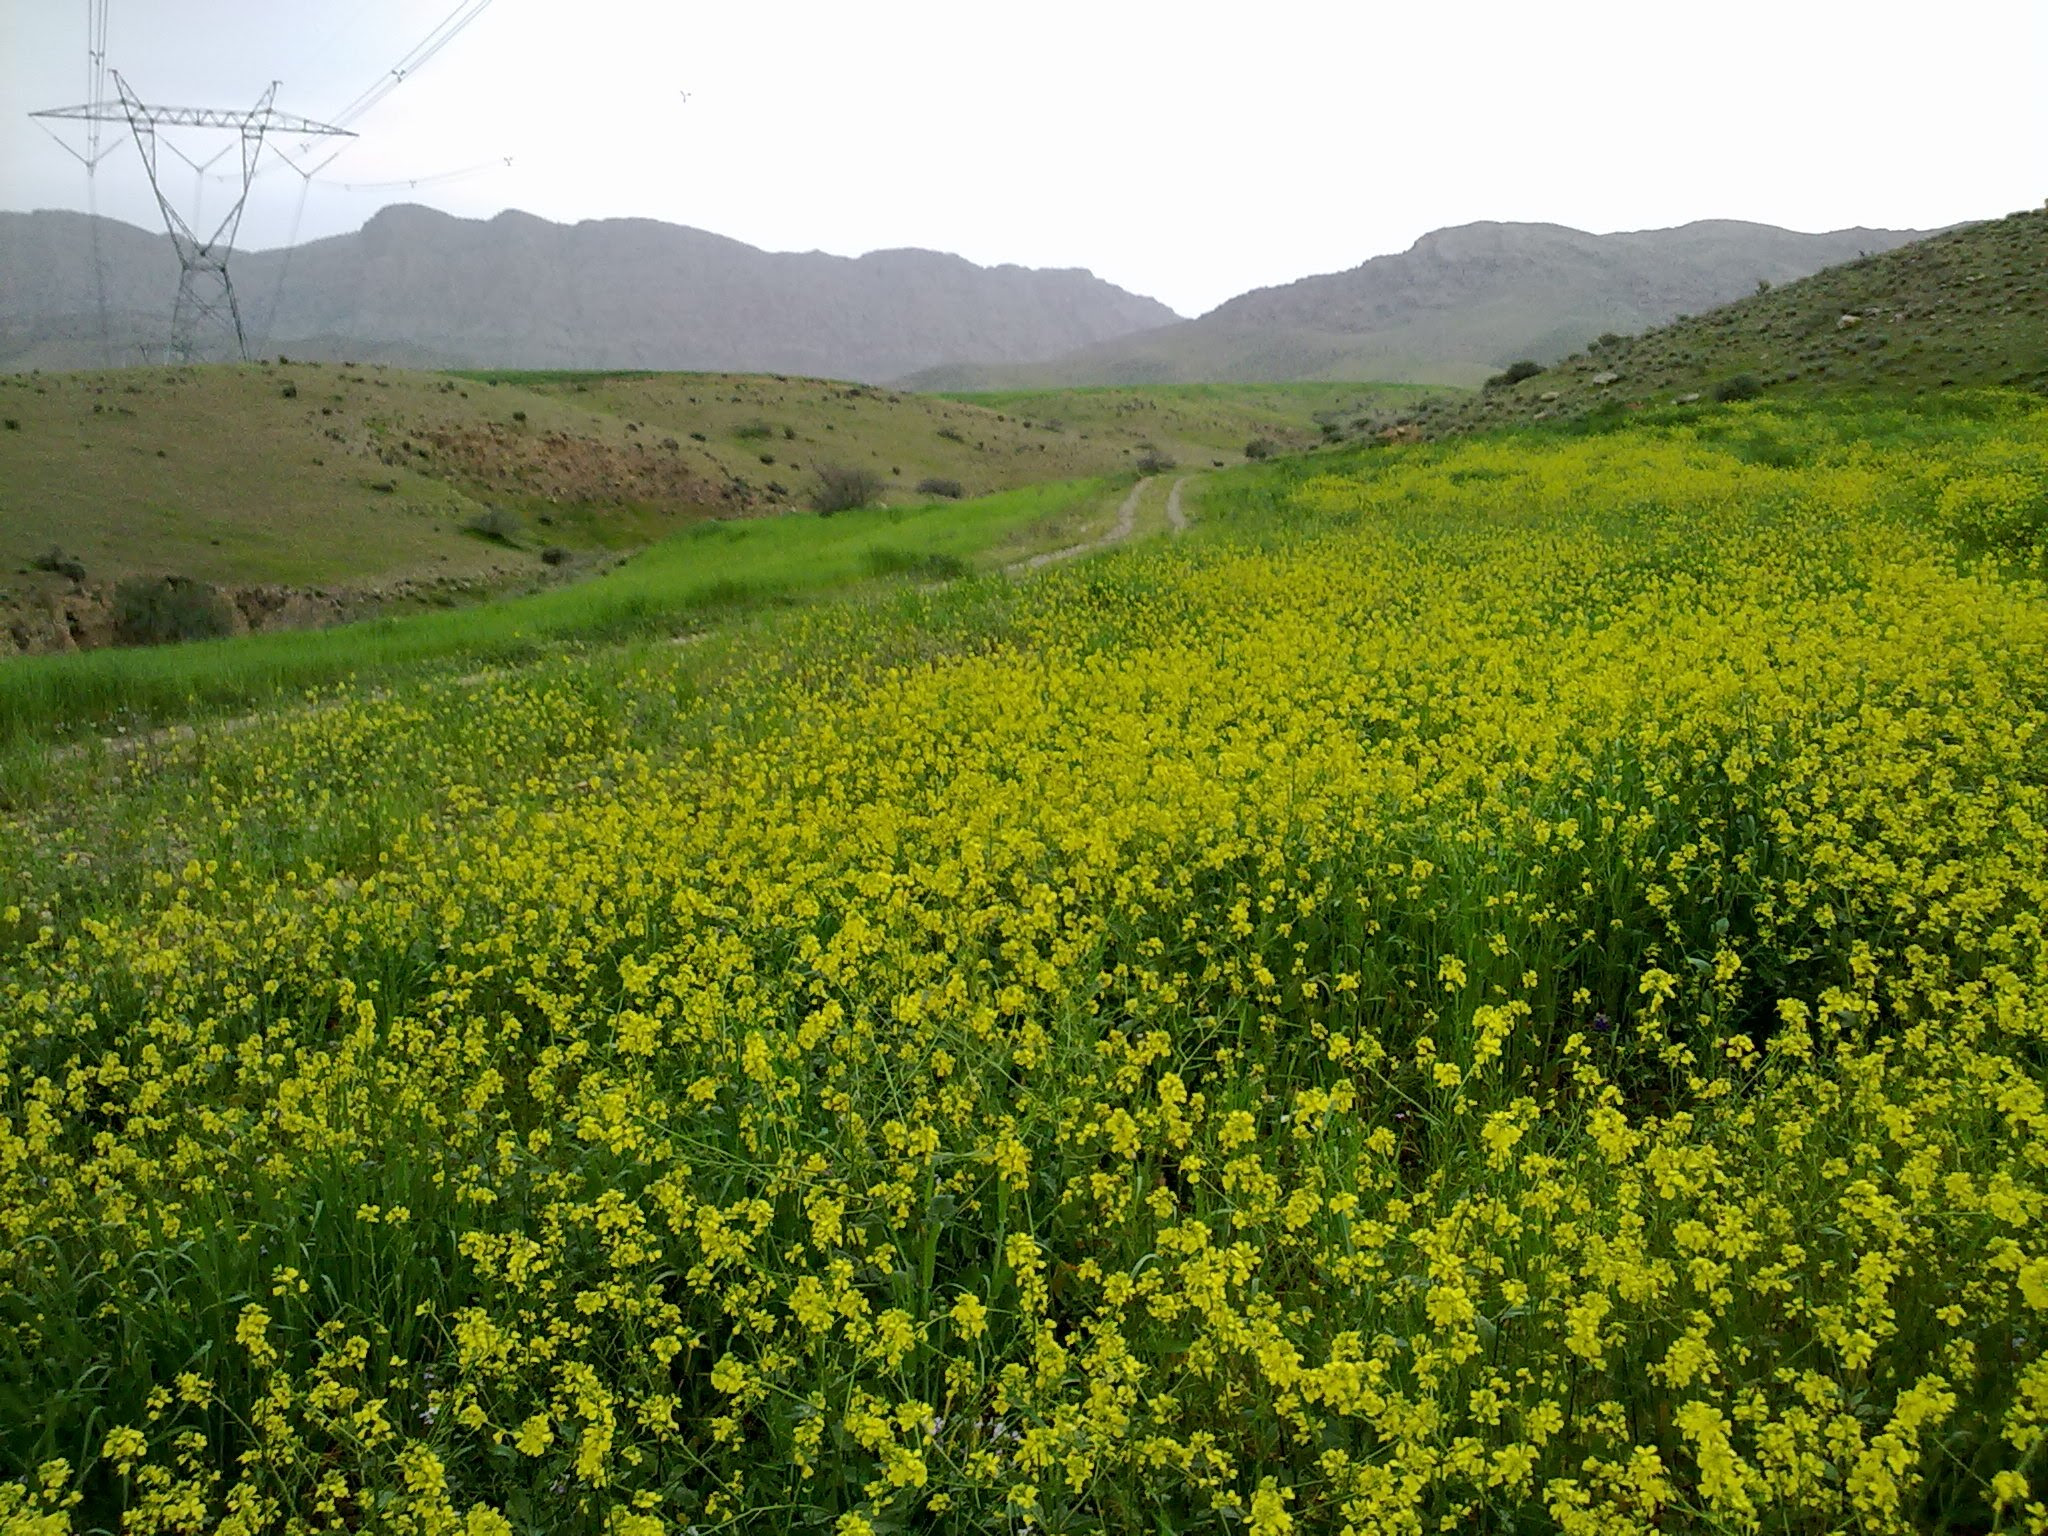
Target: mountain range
[420, 287]
[1455, 307]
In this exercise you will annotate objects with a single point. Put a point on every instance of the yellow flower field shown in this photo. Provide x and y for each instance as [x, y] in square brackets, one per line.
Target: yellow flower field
[1498, 987]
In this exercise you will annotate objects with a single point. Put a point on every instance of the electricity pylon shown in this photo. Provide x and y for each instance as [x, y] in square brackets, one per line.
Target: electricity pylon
[206, 296]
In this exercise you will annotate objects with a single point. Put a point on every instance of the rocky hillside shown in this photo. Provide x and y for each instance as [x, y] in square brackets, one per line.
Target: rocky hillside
[1455, 307]
[1968, 307]
[418, 287]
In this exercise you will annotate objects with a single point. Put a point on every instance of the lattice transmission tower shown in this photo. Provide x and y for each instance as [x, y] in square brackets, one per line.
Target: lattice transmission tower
[206, 294]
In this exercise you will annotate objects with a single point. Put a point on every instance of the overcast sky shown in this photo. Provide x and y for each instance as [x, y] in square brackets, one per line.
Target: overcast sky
[1184, 150]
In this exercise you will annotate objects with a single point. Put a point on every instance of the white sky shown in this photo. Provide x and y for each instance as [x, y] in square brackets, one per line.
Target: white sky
[1184, 150]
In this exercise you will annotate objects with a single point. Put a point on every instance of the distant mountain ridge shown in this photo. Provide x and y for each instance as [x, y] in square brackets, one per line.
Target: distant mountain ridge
[1453, 308]
[418, 286]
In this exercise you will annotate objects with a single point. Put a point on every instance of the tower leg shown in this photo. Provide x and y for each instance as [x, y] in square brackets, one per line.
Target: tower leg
[205, 313]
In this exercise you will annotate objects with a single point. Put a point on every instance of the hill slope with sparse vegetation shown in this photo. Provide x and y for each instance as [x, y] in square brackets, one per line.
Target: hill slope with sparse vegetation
[1965, 308]
[309, 493]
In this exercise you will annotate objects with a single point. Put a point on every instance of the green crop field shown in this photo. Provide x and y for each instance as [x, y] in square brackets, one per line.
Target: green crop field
[674, 588]
[1490, 985]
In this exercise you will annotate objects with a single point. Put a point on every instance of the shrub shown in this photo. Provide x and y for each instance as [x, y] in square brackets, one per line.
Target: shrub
[699, 437]
[290, 391]
[1261, 448]
[952, 434]
[2004, 508]
[58, 563]
[903, 562]
[554, 554]
[162, 610]
[754, 431]
[843, 487]
[1514, 373]
[498, 524]
[519, 416]
[934, 485]
[1741, 386]
[13, 424]
[1153, 462]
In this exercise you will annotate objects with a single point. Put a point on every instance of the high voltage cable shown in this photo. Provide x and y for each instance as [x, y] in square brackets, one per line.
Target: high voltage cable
[445, 32]
[450, 27]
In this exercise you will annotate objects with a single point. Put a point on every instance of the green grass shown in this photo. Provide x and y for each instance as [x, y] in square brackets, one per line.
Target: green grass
[1200, 423]
[714, 567]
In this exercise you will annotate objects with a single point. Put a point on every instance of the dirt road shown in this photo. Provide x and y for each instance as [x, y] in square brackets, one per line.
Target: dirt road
[1126, 522]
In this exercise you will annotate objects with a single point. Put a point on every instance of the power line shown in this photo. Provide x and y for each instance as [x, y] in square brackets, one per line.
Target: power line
[445, 32]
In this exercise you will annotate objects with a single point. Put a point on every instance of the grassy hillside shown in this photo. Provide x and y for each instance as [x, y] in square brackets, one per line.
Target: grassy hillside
[1570, 1058]
[1202, 424]
[1965, 308]
[366, 483]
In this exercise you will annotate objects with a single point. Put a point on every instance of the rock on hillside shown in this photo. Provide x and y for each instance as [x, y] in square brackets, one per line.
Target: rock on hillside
[1457, 305]
[1968, 307]
[519, 291]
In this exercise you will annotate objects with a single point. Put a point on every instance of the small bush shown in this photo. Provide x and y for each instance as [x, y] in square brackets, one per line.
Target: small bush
[58, 563]
[934, 485]
[498, 524]
[519, 416]
[952, 434]
[1741, 386]
[290, 391]
[699, 437]
[844, 487]
[163, 610]
[1261, 448]
[754, 431]
[2004, 508]
[902, 562]
[789, 434]
[554, 554]
[1514, 373]
[1153, 462]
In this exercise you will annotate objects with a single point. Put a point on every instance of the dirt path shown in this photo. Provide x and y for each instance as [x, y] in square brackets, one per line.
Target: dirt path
[1126, 523]
[1176, 519]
